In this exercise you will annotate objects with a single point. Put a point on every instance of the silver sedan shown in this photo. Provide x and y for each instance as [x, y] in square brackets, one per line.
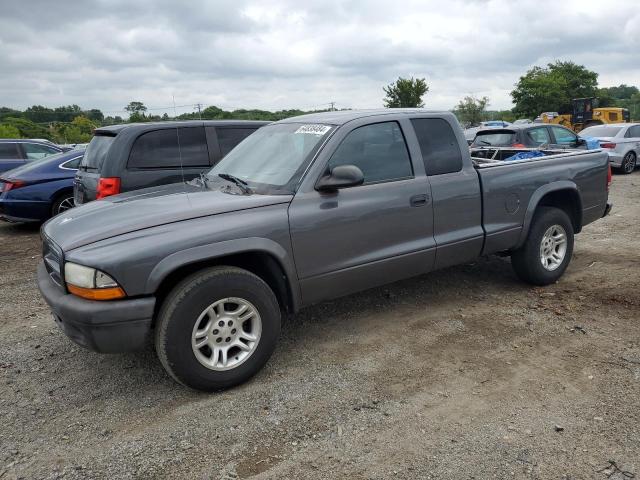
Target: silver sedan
[620, 140]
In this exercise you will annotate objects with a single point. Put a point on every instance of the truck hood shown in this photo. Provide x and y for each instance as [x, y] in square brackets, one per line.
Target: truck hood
[146, 208]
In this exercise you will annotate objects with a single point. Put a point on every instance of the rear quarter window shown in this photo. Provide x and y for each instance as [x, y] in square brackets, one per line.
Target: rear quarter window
[439, 145]
[96, 152]
[170, 148]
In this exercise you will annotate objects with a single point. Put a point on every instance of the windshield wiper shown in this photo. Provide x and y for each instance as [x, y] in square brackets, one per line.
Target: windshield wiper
[244, 186]
[484, 142]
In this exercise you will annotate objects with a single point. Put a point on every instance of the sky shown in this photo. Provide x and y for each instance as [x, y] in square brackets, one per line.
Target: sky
[280, 54]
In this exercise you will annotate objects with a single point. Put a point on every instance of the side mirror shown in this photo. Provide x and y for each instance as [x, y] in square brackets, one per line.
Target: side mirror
[342, 176]
[580, 142]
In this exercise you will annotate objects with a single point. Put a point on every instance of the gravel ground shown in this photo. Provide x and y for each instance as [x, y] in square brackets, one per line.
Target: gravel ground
[462, 373]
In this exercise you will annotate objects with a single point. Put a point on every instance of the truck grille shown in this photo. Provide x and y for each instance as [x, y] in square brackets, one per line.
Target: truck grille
[53, 259]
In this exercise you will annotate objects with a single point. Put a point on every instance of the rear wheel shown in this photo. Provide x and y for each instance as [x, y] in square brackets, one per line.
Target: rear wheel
[217, 328]
[628, 164]
[63, 203]
[547, 251]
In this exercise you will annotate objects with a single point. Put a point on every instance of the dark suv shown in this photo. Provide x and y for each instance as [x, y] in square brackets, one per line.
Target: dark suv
[128, 157]
[15, 153]
[530, 135]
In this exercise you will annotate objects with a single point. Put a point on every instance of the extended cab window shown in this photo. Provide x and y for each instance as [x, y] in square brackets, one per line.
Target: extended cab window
[379, 150]
[170, 148]
[439, 145]
[228, 138]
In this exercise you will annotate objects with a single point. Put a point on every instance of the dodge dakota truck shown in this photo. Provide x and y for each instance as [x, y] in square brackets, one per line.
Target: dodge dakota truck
[304, 210]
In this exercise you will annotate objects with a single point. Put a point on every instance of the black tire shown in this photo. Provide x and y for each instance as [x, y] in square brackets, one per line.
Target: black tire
[628, 163]
[526, 261]
[182, 307]
[60, 201]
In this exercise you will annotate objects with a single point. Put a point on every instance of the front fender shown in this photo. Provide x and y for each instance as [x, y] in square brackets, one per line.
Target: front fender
[222, 249]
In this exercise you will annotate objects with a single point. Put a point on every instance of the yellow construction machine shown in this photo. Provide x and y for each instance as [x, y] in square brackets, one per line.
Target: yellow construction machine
[586, 113]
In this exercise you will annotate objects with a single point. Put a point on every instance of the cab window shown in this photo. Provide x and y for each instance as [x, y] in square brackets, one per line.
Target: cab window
[379, 150]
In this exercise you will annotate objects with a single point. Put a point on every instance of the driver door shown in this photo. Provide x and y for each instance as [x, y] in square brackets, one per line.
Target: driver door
[368, 235]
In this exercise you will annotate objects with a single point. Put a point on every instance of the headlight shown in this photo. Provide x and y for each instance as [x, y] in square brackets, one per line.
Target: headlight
[87, 282]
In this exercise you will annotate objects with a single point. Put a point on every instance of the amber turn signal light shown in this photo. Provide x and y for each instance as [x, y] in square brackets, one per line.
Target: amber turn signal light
[97, 293]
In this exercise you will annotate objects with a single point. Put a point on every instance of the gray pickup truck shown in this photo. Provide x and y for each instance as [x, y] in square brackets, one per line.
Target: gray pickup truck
[304, 210]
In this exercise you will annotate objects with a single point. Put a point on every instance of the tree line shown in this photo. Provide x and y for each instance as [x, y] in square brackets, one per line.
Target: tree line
[72, 124]
[547, 88]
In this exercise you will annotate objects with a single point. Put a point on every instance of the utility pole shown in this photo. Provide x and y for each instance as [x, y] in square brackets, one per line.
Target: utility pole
[199, 106]
[333, 106]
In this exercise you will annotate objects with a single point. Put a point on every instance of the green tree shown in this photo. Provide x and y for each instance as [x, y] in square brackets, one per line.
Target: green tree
[95, 115]
[471, 110]
[405, 93]
[40, 114]
[552, 88]
[9, 131]
[136, 112]
[27, 128]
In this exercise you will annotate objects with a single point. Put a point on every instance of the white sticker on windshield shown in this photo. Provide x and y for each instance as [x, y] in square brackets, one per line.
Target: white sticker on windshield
[314, 129]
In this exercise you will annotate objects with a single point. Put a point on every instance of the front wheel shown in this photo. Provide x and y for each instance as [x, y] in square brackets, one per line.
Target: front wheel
[547, 251]
[628, 163]
[217, 328]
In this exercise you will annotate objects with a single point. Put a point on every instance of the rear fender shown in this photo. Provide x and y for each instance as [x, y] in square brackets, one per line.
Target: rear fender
[575, 211]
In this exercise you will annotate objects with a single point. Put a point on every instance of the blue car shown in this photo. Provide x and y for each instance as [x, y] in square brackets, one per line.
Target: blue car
[17, 152]
[40, 189]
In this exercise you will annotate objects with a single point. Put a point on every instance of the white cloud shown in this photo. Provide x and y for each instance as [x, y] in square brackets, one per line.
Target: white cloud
[285, 54]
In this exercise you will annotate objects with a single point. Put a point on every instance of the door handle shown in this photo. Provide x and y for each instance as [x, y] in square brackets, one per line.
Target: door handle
[418, 200]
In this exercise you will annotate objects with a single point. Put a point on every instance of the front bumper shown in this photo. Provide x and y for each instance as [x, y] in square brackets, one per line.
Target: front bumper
[106, 327]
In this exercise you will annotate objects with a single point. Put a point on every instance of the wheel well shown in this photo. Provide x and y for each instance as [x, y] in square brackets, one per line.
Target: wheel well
[261, 264]
[56, 196]
[60, 193]
[567, 200]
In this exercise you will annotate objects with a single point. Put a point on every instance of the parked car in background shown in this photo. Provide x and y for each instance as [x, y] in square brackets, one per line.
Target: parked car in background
[305, 210]
[522, 121]
[470, 133]
[494, 123]
[528, 136]
[40, 189]
[128, 157]
[621, 141]
[17, 152]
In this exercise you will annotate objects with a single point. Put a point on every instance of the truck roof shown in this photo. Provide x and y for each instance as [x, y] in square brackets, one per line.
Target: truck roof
[343, 116]
[114, 129]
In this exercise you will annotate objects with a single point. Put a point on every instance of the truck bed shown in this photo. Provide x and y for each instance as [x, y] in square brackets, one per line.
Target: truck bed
[509, 188]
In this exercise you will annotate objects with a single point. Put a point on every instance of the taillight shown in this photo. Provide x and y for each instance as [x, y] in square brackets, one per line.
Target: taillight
[609, 178]
[518, 145]
[607, 145]
[11, 184]
[108, 186]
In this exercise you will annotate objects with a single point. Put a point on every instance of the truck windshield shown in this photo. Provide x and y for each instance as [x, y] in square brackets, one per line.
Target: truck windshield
[274, 157]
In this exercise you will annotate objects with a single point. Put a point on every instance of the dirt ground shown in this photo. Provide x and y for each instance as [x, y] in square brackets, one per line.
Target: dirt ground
[459, 374]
